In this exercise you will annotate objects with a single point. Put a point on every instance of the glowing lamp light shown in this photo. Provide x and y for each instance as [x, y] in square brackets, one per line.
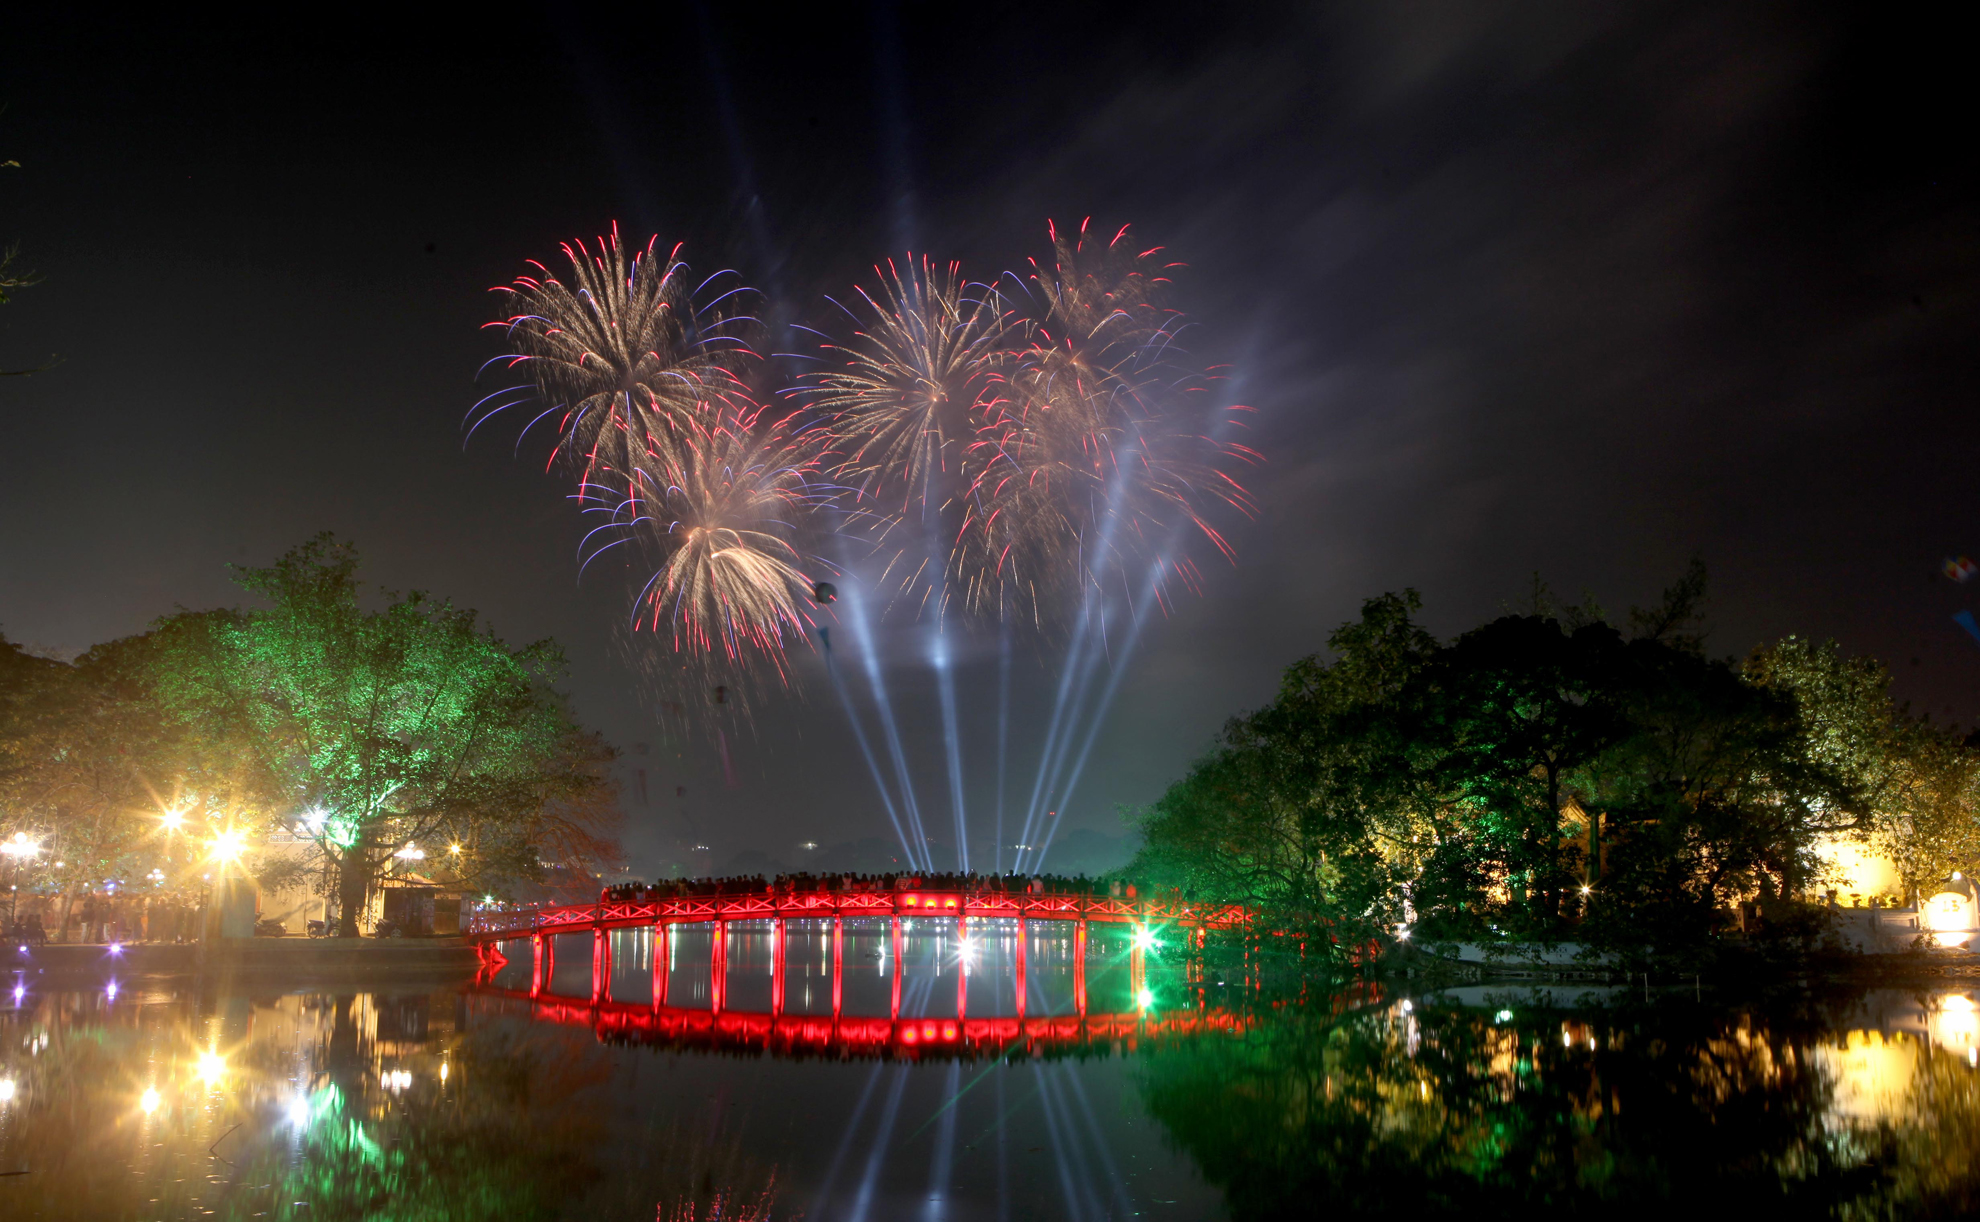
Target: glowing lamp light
[1586, 889]
[227, 846]
[1402, 933]
[6, 1090]
[148, 1102]
[115, 948]
[1145, 998]
[172, 819]
[211, 1066]
[1503, 1016]
[299, 1111]
[110, 990]
[1144, 938]
[443, 1071]
[455, 849]
[411, 853]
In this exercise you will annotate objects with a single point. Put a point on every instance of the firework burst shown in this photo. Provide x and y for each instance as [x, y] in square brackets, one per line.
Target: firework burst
[722, 511]
[674, 454]
[1099, 440]
[907, 395]
[619, 351]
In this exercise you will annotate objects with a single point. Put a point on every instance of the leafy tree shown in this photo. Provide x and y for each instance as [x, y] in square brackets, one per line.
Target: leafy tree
[1547, 776]
[1292, 811]
[371, 731]
[94, 765]
[1919, 786]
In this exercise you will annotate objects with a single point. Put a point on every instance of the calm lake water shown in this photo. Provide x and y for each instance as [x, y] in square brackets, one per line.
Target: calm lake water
[179, 1098]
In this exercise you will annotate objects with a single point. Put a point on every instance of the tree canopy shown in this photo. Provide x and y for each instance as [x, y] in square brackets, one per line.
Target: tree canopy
[355, 731]
[1549, 775]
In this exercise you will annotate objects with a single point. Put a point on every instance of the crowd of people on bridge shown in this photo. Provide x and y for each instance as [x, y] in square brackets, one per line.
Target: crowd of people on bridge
[801, 883]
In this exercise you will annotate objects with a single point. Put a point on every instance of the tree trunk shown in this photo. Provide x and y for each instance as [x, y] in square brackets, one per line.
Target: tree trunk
[353, 872]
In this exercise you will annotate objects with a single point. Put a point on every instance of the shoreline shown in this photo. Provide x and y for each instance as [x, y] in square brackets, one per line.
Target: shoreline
[304, 958]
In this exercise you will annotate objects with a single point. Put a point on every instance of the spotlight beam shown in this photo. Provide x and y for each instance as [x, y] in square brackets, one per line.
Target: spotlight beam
[919, 857]
[865, 746]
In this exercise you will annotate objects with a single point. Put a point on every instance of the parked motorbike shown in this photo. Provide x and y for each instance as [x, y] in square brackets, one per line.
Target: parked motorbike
[386, 929]
[270, 929]
[317, 929]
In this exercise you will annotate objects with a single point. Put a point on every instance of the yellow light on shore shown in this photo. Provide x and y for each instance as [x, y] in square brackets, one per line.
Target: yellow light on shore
[227, 846]
[212, 1066]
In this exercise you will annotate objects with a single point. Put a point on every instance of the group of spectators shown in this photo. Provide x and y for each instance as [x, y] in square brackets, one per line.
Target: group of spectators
[25, 929]
[103, 917]
[791, 884]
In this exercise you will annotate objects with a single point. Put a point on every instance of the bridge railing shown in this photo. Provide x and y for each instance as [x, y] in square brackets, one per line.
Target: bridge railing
[528, 920]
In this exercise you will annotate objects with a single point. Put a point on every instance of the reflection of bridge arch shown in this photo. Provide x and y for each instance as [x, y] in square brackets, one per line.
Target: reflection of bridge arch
[540, 925]
[844, 1038]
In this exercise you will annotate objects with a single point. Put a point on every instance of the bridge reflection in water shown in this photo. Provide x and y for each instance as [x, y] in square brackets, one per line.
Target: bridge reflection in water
[900, 988]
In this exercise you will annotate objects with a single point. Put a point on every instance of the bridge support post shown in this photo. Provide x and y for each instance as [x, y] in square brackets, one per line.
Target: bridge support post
[962, 965]
[1079, 967]
[778, 940]
[838, 964]
[718, 966]
[895, 1011]
[601, 963]
[1021, 990]
[538, 972]
[663, 960]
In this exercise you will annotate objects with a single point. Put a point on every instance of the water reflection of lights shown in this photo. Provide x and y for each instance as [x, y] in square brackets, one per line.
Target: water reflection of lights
[211, 1066]
[1503, 1016]
[1956, 1023]
[7, 1089]
[299, 1111]
[397, 1079]
[110, 990]
[148, 1102]
[1871, 1074]
[1145, 998]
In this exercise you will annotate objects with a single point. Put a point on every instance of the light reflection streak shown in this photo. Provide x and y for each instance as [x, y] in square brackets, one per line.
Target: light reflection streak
[942, 1165]
[890, 1112]
[838, 1163]
[1070, 1183]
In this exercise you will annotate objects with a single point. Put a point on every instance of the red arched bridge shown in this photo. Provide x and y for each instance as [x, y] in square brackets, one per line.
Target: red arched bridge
[540, 925]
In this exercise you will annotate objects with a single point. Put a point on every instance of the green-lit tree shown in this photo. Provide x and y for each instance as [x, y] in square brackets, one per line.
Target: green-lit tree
[371, 731]
[1296, 810]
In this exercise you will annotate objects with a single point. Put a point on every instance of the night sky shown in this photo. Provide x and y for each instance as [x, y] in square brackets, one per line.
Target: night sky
[1576, 289]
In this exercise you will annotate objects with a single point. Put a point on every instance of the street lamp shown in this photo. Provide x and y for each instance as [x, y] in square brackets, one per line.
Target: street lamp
[21, 849]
